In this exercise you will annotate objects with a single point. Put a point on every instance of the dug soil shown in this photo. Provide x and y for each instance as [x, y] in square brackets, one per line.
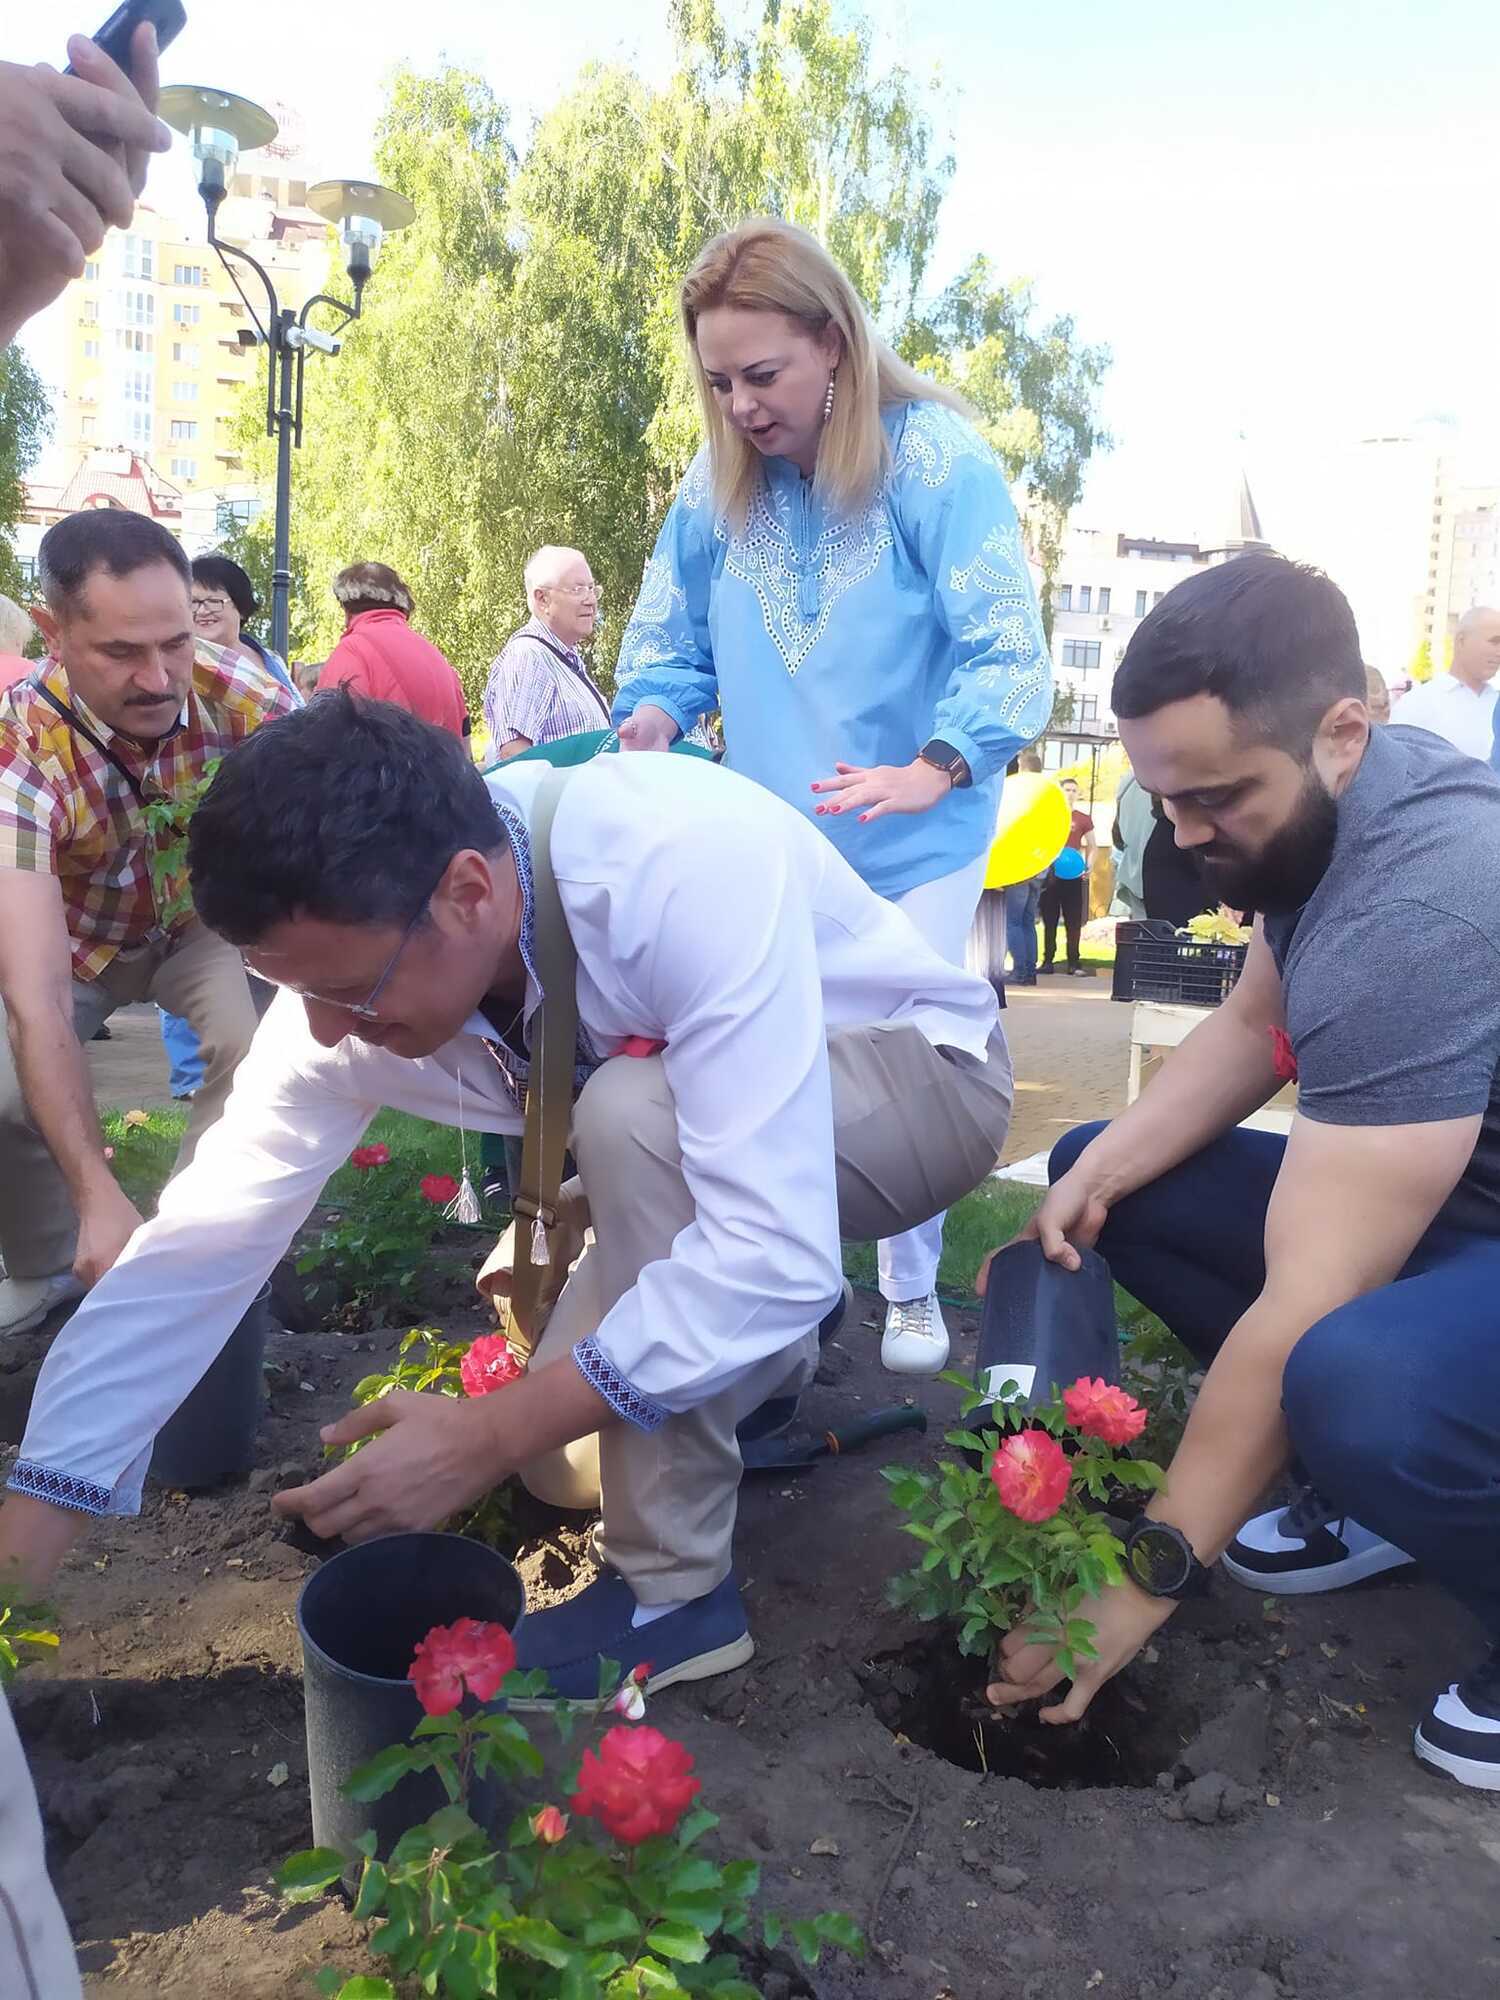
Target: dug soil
[1243, 1821]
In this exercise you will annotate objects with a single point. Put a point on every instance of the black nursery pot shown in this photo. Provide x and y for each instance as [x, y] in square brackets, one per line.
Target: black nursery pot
[361, 1618]
[211, 1440]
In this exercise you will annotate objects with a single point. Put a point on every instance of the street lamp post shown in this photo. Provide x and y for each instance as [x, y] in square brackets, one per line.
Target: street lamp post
[221, 126]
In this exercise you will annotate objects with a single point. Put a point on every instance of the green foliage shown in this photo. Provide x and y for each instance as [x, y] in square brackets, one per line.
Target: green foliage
[518, 376]
[426, 1363]
[984, 1570]
[25, 1630]
[376, 1239]
[465, 1914]
[166, 851]
[25, 424]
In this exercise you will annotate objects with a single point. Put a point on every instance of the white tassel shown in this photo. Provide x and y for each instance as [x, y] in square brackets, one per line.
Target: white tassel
[538, 1242]
[464, 1206]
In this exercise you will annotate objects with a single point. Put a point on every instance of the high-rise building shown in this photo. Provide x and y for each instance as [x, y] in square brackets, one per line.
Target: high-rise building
[159, 342]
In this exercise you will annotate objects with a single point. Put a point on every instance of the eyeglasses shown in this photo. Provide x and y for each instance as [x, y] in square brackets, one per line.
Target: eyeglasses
[363, 1010]
[578, 590]
[208, 607]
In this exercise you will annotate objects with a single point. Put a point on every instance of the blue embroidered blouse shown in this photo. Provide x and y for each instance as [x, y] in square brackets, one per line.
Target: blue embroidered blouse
[854, 639]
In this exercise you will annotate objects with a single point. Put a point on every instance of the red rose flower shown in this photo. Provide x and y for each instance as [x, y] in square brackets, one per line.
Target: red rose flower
[1103, 1411]
[1031, 1475]
[439, 1189]
[489, 1364]
[639, 1783]
[1283, 1055]
[464, 1657]
[365, 1157]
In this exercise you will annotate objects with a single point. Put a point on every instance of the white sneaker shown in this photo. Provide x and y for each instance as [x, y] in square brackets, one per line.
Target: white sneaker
[26, 1302]
[915, 1341]
[1305, 1549]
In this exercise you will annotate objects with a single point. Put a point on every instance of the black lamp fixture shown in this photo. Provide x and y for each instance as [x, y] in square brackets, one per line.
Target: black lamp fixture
[220, 127]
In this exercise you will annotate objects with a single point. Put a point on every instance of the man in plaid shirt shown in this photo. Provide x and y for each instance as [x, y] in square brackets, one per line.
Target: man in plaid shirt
[129, 709]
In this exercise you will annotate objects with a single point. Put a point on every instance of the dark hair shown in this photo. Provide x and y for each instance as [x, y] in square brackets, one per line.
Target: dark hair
[219, 573]
[109, 538]
[347, 810]
[1273, 640]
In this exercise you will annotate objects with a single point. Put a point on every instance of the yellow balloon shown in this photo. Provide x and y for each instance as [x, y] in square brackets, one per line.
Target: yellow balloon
[1032, 830]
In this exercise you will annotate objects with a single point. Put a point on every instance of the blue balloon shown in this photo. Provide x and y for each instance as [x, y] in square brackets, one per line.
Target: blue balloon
[1069, 865]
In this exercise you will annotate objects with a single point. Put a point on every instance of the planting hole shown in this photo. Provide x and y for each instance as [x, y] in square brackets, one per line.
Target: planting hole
[933, 1694]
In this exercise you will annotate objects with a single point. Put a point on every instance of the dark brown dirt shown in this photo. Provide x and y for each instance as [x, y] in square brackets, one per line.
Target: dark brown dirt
[1282, 1841]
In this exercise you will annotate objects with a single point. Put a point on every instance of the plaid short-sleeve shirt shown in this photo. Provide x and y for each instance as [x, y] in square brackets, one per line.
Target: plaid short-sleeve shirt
[67, 811]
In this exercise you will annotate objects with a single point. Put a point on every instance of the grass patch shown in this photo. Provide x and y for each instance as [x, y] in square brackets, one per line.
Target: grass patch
[146, 1152]
[980, 1223]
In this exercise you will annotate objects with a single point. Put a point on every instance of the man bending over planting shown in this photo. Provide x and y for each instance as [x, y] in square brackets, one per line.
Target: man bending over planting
[1375, 980]
[819, 1068]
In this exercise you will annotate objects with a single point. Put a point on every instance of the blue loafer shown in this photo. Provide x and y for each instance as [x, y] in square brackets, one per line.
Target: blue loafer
[709, 1636]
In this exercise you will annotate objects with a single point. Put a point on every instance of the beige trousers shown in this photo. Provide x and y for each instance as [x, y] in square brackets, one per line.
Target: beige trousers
[197, 976]
[915, 1128]
[36, 1953]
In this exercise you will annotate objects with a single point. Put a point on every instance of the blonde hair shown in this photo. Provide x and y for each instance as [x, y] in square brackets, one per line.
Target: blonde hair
[769, 266]
[16, 628]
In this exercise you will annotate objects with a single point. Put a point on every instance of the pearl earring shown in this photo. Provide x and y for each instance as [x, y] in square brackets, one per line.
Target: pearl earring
[828, 399]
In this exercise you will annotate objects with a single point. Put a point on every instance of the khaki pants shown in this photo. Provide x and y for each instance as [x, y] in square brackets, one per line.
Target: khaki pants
[36, 1953]
[915, 1128]
[197, 976]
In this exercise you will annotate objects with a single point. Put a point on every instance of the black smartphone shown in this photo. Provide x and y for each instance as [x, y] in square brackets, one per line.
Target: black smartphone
[168, 17]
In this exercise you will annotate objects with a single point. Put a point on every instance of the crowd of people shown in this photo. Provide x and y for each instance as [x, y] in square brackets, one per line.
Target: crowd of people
[753, 978]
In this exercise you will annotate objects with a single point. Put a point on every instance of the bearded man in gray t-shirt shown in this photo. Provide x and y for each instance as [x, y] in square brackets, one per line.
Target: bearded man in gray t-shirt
[1374, 981]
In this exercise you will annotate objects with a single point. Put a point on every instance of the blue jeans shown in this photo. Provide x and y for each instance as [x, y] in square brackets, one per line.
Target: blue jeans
[183, 1053]
[1021, 901]
[1392, 1401]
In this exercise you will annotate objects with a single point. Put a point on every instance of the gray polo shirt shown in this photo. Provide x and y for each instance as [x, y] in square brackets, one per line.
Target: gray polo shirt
[1390, 971]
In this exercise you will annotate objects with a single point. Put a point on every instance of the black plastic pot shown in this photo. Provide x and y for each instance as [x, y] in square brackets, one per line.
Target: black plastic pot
[211, 1440]
[361, 1617]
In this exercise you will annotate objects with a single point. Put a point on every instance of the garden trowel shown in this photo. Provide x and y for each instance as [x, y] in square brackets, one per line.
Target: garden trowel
[791, 1453]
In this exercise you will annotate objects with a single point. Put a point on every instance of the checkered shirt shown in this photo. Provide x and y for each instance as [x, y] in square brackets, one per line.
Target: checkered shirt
[66, 811]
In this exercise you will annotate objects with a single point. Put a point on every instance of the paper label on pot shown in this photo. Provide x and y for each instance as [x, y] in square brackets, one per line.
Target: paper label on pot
[1009, 1381]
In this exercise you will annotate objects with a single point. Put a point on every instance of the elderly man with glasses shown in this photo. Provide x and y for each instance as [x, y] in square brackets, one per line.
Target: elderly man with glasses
[129, 709]
[539, 688]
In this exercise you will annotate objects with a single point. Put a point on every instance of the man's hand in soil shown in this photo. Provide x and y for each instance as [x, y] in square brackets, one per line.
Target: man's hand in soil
[106, 1223]
[73, 154]
[1123, 1618]
[438, 1455]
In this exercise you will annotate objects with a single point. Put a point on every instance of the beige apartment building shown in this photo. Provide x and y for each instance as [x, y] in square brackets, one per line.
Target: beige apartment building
[159, 344]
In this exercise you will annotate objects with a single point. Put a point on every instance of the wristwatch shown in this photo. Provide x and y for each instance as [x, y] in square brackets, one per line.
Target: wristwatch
[943, 757]
[1159, 1559]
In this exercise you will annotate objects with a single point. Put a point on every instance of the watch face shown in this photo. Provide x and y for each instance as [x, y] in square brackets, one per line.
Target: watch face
[1159, 1559]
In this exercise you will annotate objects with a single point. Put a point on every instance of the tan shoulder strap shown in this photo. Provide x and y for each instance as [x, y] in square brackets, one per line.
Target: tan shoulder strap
[554, 1041]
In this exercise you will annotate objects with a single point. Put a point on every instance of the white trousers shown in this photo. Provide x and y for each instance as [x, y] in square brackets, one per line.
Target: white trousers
[36, 1953]
[943, 911]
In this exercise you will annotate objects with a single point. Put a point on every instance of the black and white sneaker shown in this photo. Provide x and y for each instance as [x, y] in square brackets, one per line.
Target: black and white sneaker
[1305, 1548]
[1460, 1733]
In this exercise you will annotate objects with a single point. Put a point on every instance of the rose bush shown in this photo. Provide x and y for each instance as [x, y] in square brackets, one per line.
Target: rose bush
[1014, 1533]
[543, 1911]
[377, 1239]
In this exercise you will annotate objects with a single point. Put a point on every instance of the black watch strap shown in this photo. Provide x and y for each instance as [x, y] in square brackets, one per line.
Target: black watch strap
[944, 757]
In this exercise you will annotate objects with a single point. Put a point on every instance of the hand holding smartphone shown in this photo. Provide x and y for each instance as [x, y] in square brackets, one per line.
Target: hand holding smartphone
[168, 17]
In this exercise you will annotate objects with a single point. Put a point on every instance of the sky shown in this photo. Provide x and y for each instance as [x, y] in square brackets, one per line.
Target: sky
[1281, 220]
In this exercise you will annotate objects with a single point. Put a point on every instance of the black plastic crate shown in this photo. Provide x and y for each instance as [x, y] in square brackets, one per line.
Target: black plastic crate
[1155, 962]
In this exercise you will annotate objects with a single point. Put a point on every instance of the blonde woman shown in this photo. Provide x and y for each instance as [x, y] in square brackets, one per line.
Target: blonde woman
[841, 574]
